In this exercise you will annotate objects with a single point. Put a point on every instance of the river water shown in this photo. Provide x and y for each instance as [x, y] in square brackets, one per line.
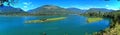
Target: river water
[71, 25]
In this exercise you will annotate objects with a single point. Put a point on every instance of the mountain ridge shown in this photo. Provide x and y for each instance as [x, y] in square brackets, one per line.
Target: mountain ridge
[52, 8]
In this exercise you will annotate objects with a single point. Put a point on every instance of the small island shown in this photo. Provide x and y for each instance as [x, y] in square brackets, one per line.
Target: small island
[45, 20]
[91, 20]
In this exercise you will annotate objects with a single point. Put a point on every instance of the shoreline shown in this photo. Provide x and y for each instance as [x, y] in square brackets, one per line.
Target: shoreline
[113, 29]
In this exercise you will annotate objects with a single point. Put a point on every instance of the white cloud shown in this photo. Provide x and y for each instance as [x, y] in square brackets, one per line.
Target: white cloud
[27, 3]
[25, 6]
[107, 5]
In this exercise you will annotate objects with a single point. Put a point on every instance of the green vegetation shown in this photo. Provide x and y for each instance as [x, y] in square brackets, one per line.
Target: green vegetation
[90, 20]
[56, 18]
[45, 20]
[114, 28]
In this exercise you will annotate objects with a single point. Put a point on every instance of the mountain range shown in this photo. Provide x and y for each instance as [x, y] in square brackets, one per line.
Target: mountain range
[99, 10]
[76, 10]
[9, 9]
[51, 9]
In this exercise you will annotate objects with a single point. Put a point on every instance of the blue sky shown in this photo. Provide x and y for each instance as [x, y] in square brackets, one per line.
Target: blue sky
[81, 4]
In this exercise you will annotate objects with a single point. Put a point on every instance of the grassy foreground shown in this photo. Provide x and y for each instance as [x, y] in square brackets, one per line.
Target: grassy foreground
[90, 20]
[47, 20]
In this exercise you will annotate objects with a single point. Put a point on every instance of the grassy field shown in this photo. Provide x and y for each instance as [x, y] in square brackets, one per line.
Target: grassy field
[47, 20]
[90, 20]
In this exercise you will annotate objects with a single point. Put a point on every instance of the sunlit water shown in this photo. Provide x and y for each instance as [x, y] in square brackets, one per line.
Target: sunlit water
[72, 25]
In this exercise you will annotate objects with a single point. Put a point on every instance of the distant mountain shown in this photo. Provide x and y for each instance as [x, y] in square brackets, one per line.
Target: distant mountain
[9, 9]
[99, 10]
[49, 9]
[76, 10]
[52, 9]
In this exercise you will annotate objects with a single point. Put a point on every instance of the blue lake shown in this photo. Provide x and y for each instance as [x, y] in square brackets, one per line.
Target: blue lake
[72, 25]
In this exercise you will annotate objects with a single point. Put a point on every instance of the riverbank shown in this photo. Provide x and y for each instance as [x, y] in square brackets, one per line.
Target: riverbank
[114, 29]
[114, 17]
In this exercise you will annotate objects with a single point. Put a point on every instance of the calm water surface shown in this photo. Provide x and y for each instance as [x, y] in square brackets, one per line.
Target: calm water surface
[72, 25]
